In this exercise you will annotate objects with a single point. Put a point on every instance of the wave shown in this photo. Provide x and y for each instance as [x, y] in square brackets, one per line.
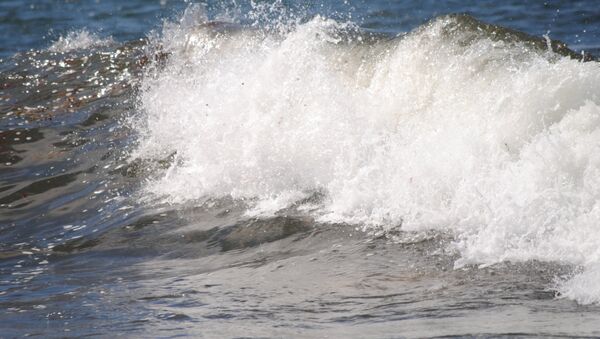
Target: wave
[458, 126]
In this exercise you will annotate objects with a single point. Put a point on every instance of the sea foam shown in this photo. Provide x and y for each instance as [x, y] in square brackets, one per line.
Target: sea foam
[445, 128]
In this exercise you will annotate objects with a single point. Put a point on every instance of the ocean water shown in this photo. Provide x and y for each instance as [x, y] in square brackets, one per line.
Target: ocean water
[368, 169]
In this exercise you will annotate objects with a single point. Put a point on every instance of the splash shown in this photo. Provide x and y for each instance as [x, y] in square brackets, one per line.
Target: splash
[451, 128]
[582, 287]
[78, 40]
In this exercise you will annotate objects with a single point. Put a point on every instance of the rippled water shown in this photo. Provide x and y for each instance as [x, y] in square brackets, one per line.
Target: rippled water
[357, 169]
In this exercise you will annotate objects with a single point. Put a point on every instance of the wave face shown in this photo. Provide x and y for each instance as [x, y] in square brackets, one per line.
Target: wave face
[448, 128]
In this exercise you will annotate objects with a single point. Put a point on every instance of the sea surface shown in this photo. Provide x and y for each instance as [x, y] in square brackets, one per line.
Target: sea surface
[277, 169]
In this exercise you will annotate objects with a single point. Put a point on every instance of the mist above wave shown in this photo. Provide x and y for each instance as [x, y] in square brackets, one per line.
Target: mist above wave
[449, 127]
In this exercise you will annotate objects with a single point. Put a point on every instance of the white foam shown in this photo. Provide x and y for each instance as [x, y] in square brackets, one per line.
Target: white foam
[491, 141]
[77, 40]
[270, 205]
[583, 287]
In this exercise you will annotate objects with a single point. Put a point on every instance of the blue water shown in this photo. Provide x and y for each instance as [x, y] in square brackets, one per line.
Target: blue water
[83, 253]
[28, 25]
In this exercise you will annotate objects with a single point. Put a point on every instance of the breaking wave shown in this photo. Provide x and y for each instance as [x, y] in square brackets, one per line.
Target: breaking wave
[487, 134]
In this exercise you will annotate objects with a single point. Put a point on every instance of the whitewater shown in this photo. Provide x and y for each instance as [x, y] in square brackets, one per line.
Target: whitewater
[448, 128]
[280, 169]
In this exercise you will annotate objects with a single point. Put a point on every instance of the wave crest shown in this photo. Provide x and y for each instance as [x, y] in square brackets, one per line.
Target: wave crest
[491, 139]
[78, 40]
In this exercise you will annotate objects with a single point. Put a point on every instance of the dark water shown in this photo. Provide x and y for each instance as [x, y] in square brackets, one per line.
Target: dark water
[87, 249]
